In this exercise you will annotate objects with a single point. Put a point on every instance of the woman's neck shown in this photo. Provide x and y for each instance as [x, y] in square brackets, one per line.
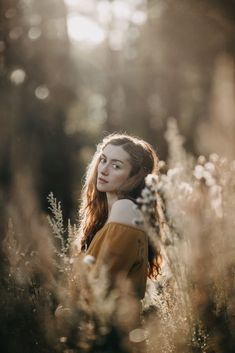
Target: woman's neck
[111, 198]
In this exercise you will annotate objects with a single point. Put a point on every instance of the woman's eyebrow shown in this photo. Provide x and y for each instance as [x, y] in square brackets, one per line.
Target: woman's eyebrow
[113, 159]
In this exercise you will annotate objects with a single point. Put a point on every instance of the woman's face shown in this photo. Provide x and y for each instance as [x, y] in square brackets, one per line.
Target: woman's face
[113, 169]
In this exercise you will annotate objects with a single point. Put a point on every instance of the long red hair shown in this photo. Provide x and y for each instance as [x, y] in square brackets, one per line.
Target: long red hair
[93, 211]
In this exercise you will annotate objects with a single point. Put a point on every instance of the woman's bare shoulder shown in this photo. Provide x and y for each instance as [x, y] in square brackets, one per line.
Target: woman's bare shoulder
[125, 211]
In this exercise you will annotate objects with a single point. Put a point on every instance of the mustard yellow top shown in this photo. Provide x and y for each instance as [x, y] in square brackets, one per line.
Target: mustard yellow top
[124, 250]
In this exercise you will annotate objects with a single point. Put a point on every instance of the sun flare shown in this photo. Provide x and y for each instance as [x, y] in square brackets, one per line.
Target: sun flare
[83, 29]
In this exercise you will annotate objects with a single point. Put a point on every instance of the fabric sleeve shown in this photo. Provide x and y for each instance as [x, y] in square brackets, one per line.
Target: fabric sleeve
[119, 251]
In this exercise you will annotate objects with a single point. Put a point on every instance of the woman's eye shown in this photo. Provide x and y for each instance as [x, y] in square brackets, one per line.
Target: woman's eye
[116, 166]
[102, 160]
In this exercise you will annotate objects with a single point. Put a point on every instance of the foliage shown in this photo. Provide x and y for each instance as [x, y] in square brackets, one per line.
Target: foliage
[195, 307]
[51, 118]
[190, 308]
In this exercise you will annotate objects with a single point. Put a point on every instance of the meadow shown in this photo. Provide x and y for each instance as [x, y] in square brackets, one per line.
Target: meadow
[51, 303]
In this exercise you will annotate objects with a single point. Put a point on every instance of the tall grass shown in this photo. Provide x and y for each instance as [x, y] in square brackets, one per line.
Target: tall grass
[50, 301]
[195, 305]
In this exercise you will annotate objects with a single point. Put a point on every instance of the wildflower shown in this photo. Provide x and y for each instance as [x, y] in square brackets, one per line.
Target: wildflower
[216, 204]
[201, 160]
[215, 190]
[185, 187]
[145, 193]
[208, 178]
[137, 335]
[214, 157]
[151, 180]
[201, 172]
[139, 200]
[89, 260]
[144, 208]
[162, 165]
[198, 172]
[223, 161]
[210, 167]
[173, 172]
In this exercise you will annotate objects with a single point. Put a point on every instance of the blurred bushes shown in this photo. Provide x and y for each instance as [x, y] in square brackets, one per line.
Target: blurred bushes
[57, 99]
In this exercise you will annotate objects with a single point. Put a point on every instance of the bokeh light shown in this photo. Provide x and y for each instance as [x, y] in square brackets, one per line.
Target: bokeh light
[34, 33]
[42, 92]
[83, 29]
[15, 33]
[18, 76]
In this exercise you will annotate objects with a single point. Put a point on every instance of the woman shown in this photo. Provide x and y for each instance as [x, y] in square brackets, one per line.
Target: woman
[108, 231]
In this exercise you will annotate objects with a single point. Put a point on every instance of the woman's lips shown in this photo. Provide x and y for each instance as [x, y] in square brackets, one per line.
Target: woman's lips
[103, 181]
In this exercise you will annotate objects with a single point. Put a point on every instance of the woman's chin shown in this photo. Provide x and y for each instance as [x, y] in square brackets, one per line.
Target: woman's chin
[101, 188]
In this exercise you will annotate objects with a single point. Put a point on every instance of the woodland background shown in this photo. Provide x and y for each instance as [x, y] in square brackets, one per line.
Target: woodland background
[73, 71]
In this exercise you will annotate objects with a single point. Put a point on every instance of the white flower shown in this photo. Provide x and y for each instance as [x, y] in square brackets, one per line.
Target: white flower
[216, 204]
[139, 200]
[89, 260]
[145, 192]
[151, 180]
[214, 157]
[198, 171]
[201, 160]
[161, 164]
[210, 181]
[173, 172]
[137, 335]
[210, 167]
[144, 208]
[215, 190]
[185, 187]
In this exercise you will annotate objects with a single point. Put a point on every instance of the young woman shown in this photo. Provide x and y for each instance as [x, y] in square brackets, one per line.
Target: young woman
[108, 232]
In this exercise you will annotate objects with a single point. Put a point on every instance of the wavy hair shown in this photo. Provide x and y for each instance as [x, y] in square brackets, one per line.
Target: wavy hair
[93, 211]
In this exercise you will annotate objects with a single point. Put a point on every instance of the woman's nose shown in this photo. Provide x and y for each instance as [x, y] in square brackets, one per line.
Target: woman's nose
[105, 170]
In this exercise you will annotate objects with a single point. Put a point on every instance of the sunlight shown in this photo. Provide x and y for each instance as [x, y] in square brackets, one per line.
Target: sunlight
[122, 10]
[83, 29]
[81, 5]
[90, 22]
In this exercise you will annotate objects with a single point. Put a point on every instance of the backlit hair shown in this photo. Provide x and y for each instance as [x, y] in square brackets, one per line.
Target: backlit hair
[93, 211]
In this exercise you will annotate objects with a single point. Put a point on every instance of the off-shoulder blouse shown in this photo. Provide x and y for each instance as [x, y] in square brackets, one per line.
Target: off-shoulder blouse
[124, 250]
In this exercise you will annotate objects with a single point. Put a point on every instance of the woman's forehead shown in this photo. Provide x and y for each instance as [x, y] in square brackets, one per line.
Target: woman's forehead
[116, 152]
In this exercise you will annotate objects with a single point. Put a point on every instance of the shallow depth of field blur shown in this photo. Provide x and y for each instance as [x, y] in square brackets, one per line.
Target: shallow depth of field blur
[71, 72]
